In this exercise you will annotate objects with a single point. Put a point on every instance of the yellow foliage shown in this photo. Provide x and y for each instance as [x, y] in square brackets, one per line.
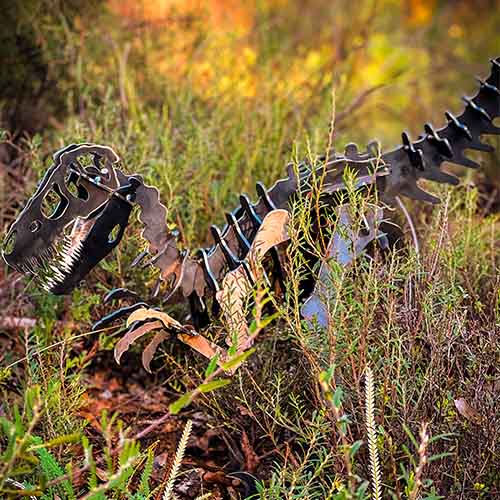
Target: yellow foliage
[421, 11]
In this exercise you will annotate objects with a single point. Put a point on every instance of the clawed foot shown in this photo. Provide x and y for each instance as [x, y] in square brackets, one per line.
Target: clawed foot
[144, 320]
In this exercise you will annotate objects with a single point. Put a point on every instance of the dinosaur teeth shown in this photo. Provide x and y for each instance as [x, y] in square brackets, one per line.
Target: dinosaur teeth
[28, 266]
[59, 275]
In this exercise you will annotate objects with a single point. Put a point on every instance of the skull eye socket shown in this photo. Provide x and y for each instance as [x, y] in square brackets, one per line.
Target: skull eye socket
[74, 187]
[54, 204]
[86, 160]
[9, 243]
[35, 226]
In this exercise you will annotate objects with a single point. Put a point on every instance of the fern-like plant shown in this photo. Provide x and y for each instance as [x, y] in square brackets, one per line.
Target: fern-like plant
[168, 494]
[376, 480]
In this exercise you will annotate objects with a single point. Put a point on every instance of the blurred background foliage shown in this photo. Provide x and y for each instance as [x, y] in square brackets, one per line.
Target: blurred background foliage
[405, 58]
[393, 64]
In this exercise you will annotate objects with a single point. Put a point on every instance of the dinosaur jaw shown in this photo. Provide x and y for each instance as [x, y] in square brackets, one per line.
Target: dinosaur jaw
[68, 262]
[75, 218]
[64, 263]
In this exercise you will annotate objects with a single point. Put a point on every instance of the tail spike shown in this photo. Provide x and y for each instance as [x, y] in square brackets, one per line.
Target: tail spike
[478, 109]
[442, 145]
[461, 127]
[415, 156]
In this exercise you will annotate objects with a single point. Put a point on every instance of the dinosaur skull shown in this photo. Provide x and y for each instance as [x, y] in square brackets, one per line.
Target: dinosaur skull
[76, 216]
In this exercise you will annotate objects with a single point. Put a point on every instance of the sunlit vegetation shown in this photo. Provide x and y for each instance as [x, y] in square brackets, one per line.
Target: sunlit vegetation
[398, 399]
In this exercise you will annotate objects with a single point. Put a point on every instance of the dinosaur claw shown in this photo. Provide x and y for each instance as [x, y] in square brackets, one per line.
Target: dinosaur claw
[137, 329]
[139, 258]
[119, 293]
[119, 313]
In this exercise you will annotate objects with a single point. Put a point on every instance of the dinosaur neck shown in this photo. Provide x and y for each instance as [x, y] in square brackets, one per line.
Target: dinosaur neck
[162, 243]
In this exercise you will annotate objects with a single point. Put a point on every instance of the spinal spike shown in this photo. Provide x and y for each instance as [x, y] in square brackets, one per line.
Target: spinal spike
[262, 192]
[249, 209]
[488, 86]
[478, 109]
[442, 145]
[461, 127]
[415, 156]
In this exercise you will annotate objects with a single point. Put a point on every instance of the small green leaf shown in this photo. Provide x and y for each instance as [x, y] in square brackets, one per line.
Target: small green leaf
[212, 365]
[69, 438]
[268, 319]
[237, 360]
[214, 384]
[439, 456]
[338, 396]
[180, 403]
[355, 447]
[23, 493]
[411, 436]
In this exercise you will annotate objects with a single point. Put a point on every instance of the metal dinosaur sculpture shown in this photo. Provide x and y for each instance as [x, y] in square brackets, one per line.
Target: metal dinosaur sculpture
[95, 200]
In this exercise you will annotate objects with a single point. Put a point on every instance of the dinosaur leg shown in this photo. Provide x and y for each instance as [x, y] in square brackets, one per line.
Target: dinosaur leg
[344, 247]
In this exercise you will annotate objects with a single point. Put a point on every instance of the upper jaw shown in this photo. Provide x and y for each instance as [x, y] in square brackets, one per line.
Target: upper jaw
[53, 265]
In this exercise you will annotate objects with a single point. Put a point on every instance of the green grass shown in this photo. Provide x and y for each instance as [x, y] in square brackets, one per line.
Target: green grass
[427, 325]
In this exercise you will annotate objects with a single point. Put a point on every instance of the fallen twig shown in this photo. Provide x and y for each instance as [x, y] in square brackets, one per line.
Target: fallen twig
[15, 323]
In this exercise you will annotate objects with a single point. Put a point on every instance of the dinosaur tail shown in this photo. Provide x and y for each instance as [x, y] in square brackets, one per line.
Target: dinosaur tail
[422, 158]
